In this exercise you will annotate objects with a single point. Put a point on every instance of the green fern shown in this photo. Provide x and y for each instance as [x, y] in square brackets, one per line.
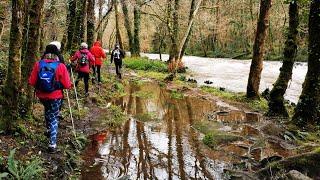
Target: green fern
[17, 170]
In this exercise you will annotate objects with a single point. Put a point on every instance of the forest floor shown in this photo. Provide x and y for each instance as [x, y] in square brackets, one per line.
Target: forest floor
[249, 137]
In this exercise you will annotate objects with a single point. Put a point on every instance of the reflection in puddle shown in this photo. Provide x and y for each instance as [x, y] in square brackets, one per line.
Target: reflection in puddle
[165, 149]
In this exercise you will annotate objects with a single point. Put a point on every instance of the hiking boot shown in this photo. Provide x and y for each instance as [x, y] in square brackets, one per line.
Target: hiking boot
[52, 150]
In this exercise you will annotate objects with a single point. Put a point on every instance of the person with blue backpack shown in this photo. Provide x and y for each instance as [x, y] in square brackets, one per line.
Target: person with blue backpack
[49, 77]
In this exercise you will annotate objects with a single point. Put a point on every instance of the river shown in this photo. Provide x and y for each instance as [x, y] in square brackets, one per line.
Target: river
[233, 74]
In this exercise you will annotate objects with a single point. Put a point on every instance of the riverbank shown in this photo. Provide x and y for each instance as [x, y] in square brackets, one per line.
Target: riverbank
[123, 121]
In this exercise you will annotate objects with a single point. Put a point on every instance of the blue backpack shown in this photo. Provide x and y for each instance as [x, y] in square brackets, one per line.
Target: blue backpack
[46, 76]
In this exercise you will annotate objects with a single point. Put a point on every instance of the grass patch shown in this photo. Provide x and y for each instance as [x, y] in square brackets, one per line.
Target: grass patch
[145, 64]
[143, 94]
[257, 105]
[153, 75]
[176, 94]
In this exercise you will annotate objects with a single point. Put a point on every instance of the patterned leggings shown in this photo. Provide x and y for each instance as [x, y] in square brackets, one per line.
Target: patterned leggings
[52, 112]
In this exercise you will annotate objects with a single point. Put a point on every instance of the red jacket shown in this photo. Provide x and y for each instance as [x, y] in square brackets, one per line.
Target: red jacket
[77, 56]
[61, 75]
[98, 53]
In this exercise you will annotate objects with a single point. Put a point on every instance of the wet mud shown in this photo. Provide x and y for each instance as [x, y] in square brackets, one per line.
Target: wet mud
[159, 140]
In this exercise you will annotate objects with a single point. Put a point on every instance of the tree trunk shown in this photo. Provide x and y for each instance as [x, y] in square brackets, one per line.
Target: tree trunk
[127, 24]
[26, 22]
[32, 53]
[79, 30]
[53, 23]
[13, 79]
[137, 27]
[72, 5]
[174, 28]
[276, 102]
[193, 11]
[308, 108]
[258, 50]
[118, 33]
[2, 17]
[90, 22]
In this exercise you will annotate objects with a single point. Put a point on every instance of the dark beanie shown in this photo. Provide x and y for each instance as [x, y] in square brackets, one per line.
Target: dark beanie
[51, 49]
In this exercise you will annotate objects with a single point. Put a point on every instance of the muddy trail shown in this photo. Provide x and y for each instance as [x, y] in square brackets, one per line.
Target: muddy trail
[161, 139]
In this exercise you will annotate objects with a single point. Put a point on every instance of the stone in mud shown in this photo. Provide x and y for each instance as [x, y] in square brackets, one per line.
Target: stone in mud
[222, 89]
[250, 131]
[264, 162]
[192, 80]
[256, 153]
[296, 175]
[272, 129]
[252, 117]
[236, 149]
[208, 82]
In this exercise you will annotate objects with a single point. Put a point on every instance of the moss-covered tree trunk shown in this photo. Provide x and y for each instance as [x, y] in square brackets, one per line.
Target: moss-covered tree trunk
[128, 25]
[53, 12]
[308, 108]
[276, 102]
[137, 28]
[173, 24]
[3, 11]
[258, 50]
[71, 23]
[118, 32]
[26, 22]
[11, 89]
[32, 53]
[90, 22]
[79, 30]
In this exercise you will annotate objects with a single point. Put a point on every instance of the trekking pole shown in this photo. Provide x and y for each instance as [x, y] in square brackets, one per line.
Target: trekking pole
[75, 91]
[70, 110]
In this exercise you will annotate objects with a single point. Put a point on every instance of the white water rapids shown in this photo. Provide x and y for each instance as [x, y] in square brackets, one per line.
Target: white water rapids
[233, 74]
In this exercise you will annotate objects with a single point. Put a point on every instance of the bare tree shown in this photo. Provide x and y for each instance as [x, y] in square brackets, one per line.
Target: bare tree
[258, 50]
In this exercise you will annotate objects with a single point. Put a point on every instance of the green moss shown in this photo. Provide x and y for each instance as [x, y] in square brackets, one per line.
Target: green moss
[143, 94]
[213, 139]
[176, 94]
[146, 117]
[258, 105]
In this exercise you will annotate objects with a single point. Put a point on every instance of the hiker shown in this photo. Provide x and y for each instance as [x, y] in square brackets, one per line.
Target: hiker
[99, 55]
[84, 60]
[58, 45]
[117, 55]
[49, 77]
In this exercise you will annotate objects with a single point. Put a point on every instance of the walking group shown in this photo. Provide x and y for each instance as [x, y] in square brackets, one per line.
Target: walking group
[50, 76]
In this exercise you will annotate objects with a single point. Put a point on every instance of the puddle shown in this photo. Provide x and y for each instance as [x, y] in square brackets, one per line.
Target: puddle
[158, 141]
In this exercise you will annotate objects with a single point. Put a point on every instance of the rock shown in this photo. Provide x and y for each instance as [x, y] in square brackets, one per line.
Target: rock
[252, 117]
[266, 94]
[250, 131]
[296, 175]
[222, 89]
[192, 80]
[256, 153]
[264, 162]
[272, 129]
[208, 82]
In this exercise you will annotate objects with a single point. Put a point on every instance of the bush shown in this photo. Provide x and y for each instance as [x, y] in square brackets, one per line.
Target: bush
[145, 64]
